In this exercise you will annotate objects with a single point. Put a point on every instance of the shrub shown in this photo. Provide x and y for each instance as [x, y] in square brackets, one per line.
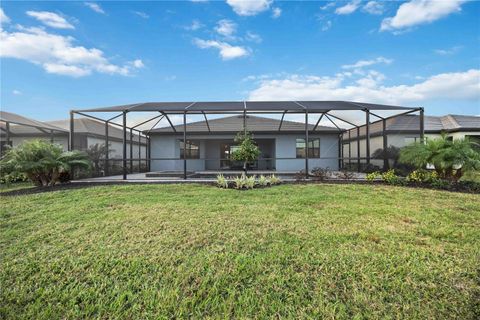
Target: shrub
[320, 173]
[239, 182]
[417, 176]
[263, 181]
[42, 162]
[250, 182]
[275, 180]
[390, 177]
[372, 176]
[222, 182]
[451, 158]
[7, 178]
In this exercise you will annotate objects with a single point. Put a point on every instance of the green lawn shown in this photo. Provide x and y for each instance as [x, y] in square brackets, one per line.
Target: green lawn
[292, 251]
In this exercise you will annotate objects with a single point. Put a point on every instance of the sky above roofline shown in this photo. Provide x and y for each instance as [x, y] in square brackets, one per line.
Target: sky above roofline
[58, 56]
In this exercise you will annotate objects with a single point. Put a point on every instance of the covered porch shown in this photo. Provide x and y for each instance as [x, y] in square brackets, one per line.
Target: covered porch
[217, 143]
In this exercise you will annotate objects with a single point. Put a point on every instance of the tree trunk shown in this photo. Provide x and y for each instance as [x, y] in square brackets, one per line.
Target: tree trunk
[245, 167]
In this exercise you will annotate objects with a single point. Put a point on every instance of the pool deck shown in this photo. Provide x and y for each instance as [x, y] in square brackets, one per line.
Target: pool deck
[197, 177]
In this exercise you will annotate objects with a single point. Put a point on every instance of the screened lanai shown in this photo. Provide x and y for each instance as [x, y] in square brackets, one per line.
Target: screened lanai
[182, 120]
[15, 128]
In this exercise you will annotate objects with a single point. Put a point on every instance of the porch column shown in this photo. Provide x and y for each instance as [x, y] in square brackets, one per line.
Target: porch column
[340, 151]
[7, 132]
[349, 150]
[184, 145]
[148, 154]
[106, 149]
[358, 149]
[124, 158]
[422, 125]
[306, 144]
[51, 136]
[367, 134]
[131, 150]
[386, 165]
[72, 131]
[139, 151]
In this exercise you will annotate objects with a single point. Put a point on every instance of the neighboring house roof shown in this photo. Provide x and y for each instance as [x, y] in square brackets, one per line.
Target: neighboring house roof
[448, 122]
[94, 127]
[18, 122]
[235, 124]
[411, 124]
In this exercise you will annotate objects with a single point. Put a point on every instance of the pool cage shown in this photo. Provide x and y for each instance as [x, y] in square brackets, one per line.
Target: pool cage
[352, 120]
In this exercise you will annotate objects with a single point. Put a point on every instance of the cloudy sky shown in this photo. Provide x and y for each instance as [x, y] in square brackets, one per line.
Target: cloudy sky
[56, 56]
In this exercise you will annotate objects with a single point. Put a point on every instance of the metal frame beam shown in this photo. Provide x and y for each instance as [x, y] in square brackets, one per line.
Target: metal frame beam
[206, 121]
[318, 122]
[170, 122]
[281, 121]
[124, 158]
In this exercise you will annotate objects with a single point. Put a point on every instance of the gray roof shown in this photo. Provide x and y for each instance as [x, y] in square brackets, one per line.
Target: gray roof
[235, 124]
[253, 106]
[411, 123]
[434, 123]
[19, 121]
[94, 127]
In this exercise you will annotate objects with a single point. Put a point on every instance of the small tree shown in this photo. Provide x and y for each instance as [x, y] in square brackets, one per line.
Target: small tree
[451, 158]
[391, 153]
[42, 162]
[248, 150]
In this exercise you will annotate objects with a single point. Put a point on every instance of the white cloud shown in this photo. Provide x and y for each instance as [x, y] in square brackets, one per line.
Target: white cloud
[374, 7]
[418, 12]
[95, 7]
[57, 54]
[194, 26]
[448, 52]
[349, 8]
[249, 7]
[327, 6]
[50, 19]
[3, 17]
[276, 13]
[253, 37]
[141, 14]
[226, 27]
[17, 92]
[445, 86]
[138, 63]
[227, 51]
[365, 63]
[327, 25]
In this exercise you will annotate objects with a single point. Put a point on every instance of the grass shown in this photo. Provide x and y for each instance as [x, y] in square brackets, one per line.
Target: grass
[192, 251]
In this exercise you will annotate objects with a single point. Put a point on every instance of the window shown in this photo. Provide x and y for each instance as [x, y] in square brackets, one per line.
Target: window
[192, 149]
[313, 148]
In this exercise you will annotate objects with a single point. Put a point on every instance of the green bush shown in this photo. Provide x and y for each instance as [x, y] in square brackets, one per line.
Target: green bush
[263, 181]
[275, 180]
[250, 182]
[222, 182]
[42, 162]
[450, 158]
[372, 176]
[390, 177]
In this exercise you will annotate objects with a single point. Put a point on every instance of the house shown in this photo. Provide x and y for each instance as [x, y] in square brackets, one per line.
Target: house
[88, 132]
[15, 129]
[210, 145]
[402, 130]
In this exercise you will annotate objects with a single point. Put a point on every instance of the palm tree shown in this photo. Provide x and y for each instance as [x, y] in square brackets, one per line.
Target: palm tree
[42, 162]
[450, 158]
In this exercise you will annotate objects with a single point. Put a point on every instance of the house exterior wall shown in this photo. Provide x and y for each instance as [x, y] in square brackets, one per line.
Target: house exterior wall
[168, 146]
